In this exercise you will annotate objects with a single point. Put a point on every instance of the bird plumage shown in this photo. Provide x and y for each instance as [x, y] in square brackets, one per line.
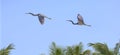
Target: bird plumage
[40, 17]
[80, 21]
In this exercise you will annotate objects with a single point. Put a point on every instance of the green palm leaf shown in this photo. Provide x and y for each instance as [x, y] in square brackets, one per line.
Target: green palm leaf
[6, 51]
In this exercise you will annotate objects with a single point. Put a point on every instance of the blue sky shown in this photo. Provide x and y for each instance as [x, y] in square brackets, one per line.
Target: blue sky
[32, 38]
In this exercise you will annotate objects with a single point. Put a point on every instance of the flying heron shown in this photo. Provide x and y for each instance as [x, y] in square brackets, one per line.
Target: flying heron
[40, 17]
[80, 21]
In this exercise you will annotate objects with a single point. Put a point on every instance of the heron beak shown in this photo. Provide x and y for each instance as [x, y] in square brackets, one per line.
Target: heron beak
[67, 20]
[28, 13]
[50, 18]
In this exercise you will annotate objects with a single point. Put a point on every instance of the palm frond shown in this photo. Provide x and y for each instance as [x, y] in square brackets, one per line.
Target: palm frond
[87, 52]
[55, 50]
[6, 51]
[116, 49]
[102, 48]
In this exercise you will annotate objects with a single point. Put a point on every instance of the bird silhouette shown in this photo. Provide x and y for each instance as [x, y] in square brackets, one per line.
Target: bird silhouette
[80, 21]
[41, 17]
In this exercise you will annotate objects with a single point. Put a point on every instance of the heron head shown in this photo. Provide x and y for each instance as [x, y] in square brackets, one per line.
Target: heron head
[69, 20]
[78, 14]
[28, 13]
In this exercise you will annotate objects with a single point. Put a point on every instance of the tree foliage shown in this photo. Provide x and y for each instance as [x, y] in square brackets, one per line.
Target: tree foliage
[100, 49]
[69, 50]
[6, 51]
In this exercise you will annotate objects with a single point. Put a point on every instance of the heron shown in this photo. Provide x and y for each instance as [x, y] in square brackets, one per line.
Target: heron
[80, 21]
[40, 17]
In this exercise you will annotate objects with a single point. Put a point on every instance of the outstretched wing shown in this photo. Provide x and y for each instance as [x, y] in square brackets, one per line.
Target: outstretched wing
[41, 19]
[80, 19]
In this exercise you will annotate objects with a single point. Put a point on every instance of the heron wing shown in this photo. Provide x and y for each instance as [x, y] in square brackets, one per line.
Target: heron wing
[41, 19]
[80, 19]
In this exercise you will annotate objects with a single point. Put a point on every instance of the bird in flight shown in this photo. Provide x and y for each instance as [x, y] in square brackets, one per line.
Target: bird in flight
[41, 17]
[80, 21]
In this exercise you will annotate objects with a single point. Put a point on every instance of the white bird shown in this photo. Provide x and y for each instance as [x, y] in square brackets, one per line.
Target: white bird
[80, 21]
[40, 17]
